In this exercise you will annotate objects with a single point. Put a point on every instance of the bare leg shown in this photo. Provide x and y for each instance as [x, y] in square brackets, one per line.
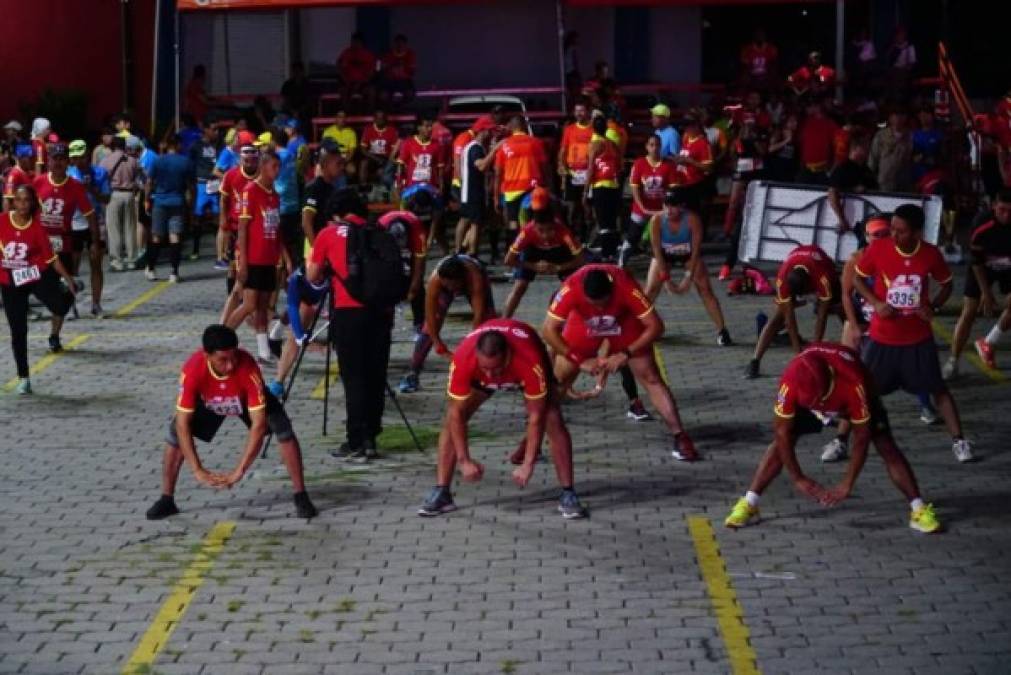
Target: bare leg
[561, 445]
[462, 230]
[949, 412]
[291, 455]
[248, 307]
[653, 283]
[644, 368]
[964, 326]
[898, 466]
[774, 325]
[768, 468]
[701, 276]
[172, 462]
[515, 295]
[97, 277]
[447, 453]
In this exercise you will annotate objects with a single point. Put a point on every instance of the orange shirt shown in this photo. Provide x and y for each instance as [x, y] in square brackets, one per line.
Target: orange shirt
[575, 148]
[519, 163]
[459, 143]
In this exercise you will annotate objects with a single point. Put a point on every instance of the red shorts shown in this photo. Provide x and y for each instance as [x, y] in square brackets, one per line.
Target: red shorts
[584, 342]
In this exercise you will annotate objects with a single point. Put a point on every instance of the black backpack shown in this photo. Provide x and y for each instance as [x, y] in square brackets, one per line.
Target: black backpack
[376, 273]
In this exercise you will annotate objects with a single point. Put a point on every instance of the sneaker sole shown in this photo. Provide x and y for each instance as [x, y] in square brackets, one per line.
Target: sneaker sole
[833, 459]
[752, 520]
[427, 513]
[572, 515]
[916, 528]
[685, 458]
[637, 418]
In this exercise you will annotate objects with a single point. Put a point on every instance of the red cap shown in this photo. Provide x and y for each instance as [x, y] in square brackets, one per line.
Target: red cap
[52, 138]
[540, 199]
[483, 123]
[877, 223]
[245, 138]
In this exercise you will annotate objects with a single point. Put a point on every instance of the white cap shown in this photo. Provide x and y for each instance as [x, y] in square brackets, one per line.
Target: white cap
[40, 125]
[13, 125]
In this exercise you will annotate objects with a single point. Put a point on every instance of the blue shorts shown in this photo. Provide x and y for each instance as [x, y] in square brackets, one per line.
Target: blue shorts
[166, 220]
[204, 203]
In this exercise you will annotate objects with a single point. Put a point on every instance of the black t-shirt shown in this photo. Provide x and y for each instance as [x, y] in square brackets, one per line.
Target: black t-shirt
[472, 184]
[203, 156]
[990, 245]
[852, 177]
[317, 195]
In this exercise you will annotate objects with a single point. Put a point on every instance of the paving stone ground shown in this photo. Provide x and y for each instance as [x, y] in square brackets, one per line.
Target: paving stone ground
[503, 585]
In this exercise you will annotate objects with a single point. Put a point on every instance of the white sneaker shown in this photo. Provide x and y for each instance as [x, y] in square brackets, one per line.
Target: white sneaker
[928, 416]
[962, 449]
[949, 371]
[276, 331]
[833, 451]
[173, 278]
[150, 275]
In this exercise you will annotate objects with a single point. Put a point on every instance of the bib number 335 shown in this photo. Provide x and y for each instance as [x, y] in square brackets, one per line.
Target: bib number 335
[905, 292]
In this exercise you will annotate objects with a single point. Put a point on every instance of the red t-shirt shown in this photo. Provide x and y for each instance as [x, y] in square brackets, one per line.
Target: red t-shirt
[356, 65]
[758, 59]
[262, 209]
[627, 300]
[819, 267]
[399, 66]
[697, 148]
[23, 246]
[816, 139]
[562, 237]
[742, 116]
[606, 163]
[232, 395]
[903, 281]
[526, 368]
[57, 205]
[519, 160]
[379, 141]
[233, 182]
[422, 162]
[417, 236]
[331, 246]
[653, 181]
[825, 378]
[16, 177]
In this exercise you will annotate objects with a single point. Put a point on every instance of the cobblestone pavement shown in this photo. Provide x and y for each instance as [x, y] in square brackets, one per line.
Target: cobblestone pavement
[503, 585]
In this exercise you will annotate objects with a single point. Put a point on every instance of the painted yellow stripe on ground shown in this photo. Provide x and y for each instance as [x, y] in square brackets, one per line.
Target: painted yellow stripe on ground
[147, 295]
[729, 614]
[317, 393]
[970, 354]
[173, 609]
[660, 364]
[48, 359]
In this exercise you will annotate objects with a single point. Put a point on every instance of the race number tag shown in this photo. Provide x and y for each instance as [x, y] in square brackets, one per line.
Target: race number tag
[213, 187]
[26, 275]
[225, 406]
[422, 169]
[579, 177]
[56, 243]
[271, 223]
[905, 292]
[745, 164]
[603, 326]
[677, 250]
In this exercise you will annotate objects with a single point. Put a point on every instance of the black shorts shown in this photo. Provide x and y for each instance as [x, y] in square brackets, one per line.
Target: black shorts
[66, 259]
[806, 422]
[473, 210]
[205, 424]
[556, 255]
[262, 278]
[972, 289]
[676, 260]
[80, 240]
[914, 368]
[573, 193]
[291, 229]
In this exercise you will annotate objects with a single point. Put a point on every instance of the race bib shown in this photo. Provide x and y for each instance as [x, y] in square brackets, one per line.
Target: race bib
[213, 187]
[56, 243]
[677, 249]
[422, 169]
[999, 263]
[579, 177]
[271, 223]
[603, 326]
[26, 275]
[745, 164]
[905, 293]
[378, 147]
[226, 406]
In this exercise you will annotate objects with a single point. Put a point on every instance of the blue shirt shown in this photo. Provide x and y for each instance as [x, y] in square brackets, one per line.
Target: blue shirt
[670, 141]
[171, 174]
[286, 183]
[98, 178]
[295, 143]
[187, 137]
[226, 160]
[146, 160]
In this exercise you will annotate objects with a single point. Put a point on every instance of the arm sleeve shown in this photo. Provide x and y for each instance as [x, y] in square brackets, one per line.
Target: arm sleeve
[786, 403]
[535, 384]
[866, 265]
[252, 382]
[187, 400]
[939, 268]
[561, 306]
[458, 384]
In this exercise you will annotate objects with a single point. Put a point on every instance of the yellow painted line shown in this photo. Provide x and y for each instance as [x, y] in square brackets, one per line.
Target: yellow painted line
[729, 614]
[970, 354]
[317, 393]
[49, 359]
[147, 295]
[175, 606]
[660, 364]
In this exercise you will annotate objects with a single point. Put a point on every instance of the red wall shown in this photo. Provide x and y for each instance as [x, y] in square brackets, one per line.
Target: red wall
[60, 44]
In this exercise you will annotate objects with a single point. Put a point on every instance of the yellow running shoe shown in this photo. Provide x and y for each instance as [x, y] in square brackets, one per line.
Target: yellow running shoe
[742, 515]
[924, 520]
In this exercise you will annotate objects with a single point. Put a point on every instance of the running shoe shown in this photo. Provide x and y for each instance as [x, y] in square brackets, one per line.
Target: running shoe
[276, 388]
[304, 507]
[962, 449]
[725, 272]
[723, 338]
[928, 415]
[276, 332]
[986, 352]
[742, 515]
[173, 278]
[367, 453]
[751, 372]
[54, 344]
[150, 275]
[949, 371]
[97, 312]
[438, 501]
[163, 508]
[409, 384]
[115, 266]
[141, 257]
[221, 265]
[684, 449]
[637, 411]
[24, 387]
[624, 254]
[194, 256]
[833, 451]
[924, 520]
[344, 451]
[569, 506]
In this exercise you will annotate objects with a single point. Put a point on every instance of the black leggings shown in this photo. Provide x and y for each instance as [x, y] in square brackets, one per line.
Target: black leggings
[50, 292]
[606, 205]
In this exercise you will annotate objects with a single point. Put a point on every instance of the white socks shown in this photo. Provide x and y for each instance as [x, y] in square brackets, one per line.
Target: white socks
[752, 498]
[262, 346]
[993, 337]
[916, 504]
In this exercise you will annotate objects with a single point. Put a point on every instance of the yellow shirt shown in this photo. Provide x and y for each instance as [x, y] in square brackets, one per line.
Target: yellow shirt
[346, 138]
